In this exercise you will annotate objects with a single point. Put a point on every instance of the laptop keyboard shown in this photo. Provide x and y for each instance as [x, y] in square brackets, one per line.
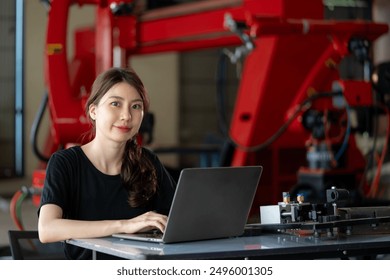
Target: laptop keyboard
[152, 234]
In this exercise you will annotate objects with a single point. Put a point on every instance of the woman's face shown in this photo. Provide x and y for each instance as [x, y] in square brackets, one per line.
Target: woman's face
[119, 114]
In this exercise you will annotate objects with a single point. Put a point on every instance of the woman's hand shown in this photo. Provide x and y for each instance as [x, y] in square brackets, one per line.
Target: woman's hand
[147, 221]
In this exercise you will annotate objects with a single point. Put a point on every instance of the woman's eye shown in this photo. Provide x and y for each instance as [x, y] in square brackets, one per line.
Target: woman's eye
[137, 106]
[115, 103]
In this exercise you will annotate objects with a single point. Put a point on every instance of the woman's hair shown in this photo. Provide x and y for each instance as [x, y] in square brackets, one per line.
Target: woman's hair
[137, 172]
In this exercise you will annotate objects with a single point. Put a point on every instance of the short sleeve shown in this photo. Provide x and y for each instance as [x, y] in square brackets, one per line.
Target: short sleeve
[56, 189]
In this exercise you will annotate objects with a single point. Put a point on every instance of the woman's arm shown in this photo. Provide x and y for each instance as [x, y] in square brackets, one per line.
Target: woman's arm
[52, 227]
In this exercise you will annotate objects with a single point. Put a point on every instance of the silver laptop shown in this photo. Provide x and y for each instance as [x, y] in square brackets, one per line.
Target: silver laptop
[209, 203]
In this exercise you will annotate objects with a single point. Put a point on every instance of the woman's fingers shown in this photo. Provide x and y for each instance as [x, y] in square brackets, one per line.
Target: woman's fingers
[148, 221]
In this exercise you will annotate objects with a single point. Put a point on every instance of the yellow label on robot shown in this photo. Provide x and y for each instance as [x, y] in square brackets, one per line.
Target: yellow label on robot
[54, 49]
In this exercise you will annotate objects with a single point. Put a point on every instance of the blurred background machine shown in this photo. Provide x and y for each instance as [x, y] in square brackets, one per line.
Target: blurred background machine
[327, 219]
[294, 114]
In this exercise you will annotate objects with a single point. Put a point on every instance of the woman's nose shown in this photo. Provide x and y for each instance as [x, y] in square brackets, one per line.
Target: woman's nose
[125, 115]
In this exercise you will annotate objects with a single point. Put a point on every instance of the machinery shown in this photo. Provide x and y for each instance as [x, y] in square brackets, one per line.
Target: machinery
[292, 112]
[318, 219]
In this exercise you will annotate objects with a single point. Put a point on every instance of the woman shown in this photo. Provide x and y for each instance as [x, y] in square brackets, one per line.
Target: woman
[110, 184]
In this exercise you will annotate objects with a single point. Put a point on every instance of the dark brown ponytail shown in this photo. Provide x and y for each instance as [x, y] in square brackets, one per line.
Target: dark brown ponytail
[138, 174]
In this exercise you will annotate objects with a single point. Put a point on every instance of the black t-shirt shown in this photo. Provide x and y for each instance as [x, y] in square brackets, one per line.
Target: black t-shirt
[85, 193]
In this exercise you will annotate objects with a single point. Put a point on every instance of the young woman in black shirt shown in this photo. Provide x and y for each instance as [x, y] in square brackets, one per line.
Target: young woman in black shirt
[111, 184]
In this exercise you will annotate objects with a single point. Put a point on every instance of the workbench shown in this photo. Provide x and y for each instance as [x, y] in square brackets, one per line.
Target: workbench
[264, 246]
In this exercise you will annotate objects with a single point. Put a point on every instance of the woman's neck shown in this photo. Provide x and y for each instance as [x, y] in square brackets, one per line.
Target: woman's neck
[107, 159]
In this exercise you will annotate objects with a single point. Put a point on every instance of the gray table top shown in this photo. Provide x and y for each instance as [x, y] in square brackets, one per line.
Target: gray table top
[264, 246]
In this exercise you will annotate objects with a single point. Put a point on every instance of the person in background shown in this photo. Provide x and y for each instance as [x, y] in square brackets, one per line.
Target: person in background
[111, 184]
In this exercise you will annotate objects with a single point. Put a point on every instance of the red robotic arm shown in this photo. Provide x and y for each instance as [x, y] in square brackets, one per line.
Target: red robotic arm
[293, 54]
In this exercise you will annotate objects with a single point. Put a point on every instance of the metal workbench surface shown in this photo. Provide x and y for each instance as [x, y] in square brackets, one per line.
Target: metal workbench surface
[263, 246]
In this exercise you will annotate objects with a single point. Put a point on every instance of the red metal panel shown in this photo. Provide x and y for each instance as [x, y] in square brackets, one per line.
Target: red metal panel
[357, 93]
[104, 39]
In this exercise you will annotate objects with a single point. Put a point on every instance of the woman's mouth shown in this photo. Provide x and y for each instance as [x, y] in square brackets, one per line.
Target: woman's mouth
[124, 129]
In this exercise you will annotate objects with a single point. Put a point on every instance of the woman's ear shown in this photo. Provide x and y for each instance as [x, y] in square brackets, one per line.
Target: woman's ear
[92, 112]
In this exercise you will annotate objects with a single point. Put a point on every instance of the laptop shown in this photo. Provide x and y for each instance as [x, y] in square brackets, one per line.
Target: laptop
[209, 203]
